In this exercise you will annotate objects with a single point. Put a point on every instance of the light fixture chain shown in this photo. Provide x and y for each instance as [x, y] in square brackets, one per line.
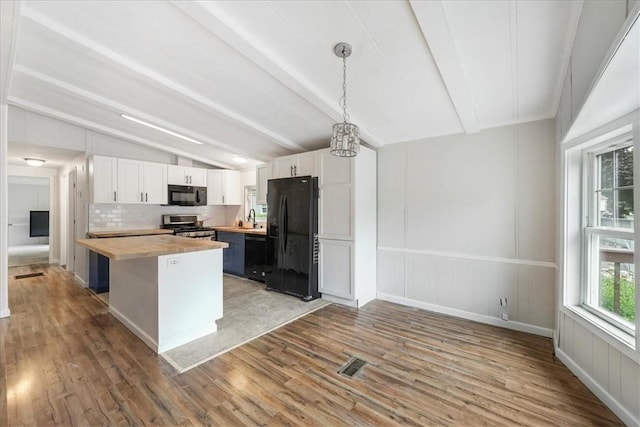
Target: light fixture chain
[343, 100]
[345, 141]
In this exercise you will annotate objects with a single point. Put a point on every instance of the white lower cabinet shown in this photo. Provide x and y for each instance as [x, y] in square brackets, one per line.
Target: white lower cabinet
[336, 272]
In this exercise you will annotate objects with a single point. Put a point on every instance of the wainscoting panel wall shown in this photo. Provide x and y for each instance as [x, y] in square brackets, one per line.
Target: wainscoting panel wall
[467, 220]
[612, 375]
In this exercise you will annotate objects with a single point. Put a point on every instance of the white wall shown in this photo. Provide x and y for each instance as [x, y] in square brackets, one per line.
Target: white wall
[600, 23]
[4, 213]
[467, 219]
[608, 367]
[26, 194]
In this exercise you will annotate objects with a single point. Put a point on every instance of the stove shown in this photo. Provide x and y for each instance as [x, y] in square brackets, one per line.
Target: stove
[188, 226]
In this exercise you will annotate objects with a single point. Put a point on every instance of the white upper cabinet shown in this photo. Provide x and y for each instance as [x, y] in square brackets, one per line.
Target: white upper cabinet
[114, 180]
[130, 181]
[224, 187]
[155, 183]
[103, 177]
[142, 182]
[262, 176]
[184, 175]
[336, 196]
[296, 165]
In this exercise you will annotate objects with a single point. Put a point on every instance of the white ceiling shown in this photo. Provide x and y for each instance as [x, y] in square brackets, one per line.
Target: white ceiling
[260, 79]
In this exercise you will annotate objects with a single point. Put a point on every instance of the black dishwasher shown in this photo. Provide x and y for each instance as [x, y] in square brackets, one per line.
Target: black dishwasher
[255, 256]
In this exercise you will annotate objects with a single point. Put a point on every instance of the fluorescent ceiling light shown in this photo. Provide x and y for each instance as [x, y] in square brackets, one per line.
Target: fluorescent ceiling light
[34, 162]
[167, 131]
[239, 160]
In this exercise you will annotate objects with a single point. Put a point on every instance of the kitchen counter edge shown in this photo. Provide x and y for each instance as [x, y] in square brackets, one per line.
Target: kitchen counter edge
[258, 231]
[128, 233]
[122, 248]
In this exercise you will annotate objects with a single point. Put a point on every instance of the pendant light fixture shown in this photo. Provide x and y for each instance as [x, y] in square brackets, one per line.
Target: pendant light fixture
[345, 141]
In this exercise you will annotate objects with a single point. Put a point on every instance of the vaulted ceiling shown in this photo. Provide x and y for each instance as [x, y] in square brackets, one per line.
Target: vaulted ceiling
[260, 79]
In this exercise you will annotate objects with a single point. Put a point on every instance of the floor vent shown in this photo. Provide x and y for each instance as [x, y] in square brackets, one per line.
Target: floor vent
[352, 367]
[27, 276]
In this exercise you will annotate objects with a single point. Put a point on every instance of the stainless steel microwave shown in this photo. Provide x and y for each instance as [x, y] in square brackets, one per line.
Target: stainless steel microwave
[187, 195]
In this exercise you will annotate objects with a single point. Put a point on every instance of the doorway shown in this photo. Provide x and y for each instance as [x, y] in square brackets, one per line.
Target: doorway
[29, 219]
[71, 225]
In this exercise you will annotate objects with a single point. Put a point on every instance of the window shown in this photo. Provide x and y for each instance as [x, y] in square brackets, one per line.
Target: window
[610, 285]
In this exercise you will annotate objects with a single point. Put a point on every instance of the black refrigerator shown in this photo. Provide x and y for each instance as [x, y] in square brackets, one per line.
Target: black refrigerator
[292, 228]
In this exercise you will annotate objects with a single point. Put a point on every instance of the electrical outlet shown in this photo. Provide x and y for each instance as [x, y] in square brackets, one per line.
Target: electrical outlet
[503, 302]
[173, 261]
[504, 316]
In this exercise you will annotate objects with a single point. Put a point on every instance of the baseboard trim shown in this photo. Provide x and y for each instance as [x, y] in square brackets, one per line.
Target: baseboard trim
[342, 301]
[134, 328]
[79, 280]
[508, 324]
[602, 394]
[5, 313]
[186, 337]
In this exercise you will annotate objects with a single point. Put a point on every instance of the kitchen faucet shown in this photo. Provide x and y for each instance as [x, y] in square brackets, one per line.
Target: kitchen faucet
[250, 217]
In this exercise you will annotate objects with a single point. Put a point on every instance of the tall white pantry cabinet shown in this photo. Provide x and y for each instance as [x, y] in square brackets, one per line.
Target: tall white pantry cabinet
[347, 226]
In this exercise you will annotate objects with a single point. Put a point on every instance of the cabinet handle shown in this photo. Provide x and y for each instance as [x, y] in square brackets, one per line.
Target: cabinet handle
[190, 179]
[295, 170]
[114, 196]
[141, 197]
[186, 179]
[291, 170]
[146, 197]
[223, 199]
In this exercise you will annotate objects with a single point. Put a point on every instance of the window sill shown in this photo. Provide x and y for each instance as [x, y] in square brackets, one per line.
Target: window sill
[612, 335]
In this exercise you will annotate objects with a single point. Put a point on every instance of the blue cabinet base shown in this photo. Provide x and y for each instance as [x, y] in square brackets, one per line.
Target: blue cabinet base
[98, 272]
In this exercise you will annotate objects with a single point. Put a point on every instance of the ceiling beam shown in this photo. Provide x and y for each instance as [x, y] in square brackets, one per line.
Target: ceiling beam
[9, 29]
[41, 109]
[437, 34]
[118, 108]
[211, 17]
[112, 58]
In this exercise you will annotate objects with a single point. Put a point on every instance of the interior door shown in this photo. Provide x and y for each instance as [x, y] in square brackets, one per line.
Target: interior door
[71, 228]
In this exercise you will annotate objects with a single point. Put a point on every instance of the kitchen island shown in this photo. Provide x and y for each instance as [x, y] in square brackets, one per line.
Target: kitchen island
[166, 289]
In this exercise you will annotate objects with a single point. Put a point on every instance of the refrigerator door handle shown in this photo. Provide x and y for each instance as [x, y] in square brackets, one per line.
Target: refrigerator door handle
[285, 225]
[280, 221]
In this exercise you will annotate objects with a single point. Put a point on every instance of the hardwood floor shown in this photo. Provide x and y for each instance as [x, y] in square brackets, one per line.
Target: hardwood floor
[64, 360]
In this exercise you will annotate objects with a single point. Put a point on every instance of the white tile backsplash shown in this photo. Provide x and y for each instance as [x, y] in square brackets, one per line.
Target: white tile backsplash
[108, 217]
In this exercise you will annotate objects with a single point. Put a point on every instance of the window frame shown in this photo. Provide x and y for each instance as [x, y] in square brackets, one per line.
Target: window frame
[591, 231]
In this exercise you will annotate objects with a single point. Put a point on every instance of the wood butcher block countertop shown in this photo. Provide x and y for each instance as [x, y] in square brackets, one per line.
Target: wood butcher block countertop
[260, 231]
[127, 233]
[119, 248]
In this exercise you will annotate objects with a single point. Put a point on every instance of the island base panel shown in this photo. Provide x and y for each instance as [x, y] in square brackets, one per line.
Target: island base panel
[168, 300]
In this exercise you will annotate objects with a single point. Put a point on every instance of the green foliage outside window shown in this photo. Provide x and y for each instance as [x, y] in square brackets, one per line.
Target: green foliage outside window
[627, 294]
